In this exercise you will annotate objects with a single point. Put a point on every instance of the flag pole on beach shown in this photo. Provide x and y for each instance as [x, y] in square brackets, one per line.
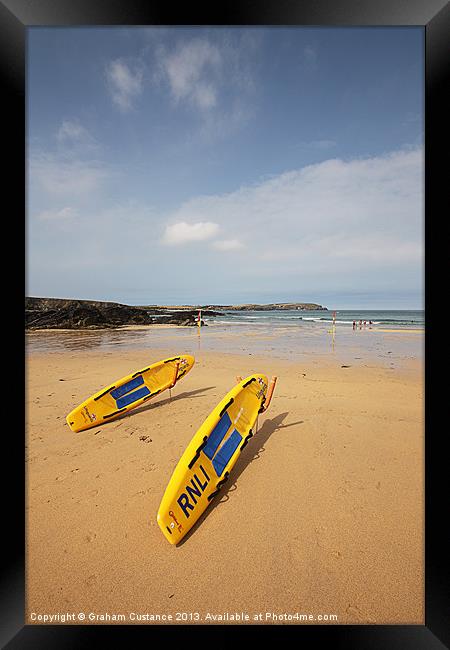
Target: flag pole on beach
[332, 331]
[199, 324]
[334, 327]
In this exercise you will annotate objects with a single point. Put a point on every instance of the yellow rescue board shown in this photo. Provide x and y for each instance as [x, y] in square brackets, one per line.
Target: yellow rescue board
[129, 392]
[205, 465]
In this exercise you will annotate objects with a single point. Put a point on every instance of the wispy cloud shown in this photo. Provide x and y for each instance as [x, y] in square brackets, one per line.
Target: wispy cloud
[310, 58]
[74, 140]
[213, 77]
[228, 245]
[125, 83]
[323, 144]
[191, 72]
[57, 215]
[183, 232]
[59, 175]
[73, 131]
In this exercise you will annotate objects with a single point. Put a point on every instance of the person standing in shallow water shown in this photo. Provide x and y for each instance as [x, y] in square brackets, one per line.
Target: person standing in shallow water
[354, 324]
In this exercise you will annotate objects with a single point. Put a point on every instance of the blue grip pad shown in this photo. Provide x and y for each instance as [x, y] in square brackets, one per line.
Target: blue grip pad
[224, 454]
[217, 435]
[130, 385]
[132, 397]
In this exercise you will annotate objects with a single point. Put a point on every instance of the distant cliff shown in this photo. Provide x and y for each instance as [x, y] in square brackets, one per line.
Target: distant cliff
[302, 306]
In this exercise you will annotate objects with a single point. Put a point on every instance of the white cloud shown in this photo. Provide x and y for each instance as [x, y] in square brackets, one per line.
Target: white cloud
[228, 245]
[353, 225]
[125, 83]
[336, 217]
[183, 232]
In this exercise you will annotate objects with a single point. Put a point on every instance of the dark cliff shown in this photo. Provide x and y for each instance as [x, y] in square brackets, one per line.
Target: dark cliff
[59, 313]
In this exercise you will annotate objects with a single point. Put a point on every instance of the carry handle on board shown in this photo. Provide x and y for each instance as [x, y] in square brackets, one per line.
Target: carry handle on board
[197, 452]
[174, 380]
[266, 401]
[218, 486]
[175, 377]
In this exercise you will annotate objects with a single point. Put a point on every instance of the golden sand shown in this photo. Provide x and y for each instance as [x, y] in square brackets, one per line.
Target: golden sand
[323, 512]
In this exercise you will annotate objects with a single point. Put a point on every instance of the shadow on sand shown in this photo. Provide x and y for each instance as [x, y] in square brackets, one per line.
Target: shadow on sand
[168, 400]
[251, 453]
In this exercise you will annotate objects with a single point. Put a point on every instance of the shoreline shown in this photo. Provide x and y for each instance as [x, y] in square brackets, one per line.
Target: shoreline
[387, 347]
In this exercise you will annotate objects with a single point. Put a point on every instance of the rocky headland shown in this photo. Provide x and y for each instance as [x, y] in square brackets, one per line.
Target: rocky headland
[59, 313]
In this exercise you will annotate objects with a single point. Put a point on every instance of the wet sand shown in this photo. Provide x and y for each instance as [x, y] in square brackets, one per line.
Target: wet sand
[322, 515]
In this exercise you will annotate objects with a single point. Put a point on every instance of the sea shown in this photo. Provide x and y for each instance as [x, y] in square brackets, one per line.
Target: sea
[299, 318]
[390, 336]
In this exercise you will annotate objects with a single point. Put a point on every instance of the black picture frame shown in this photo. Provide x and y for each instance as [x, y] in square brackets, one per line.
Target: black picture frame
[434, 16]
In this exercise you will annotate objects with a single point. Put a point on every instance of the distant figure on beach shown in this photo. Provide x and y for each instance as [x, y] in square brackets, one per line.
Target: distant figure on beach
[360, 324]
[354, 324]
[364, 323]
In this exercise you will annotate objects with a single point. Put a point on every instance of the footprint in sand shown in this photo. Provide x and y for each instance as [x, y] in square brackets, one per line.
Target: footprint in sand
[142, 492]
[93, 493]
[355, 612]
[104, 441]
[91, 581]
[90, 537]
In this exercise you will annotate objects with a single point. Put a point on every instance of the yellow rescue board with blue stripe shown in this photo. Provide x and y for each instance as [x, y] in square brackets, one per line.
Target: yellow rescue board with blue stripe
[205, 465]
[129, 392]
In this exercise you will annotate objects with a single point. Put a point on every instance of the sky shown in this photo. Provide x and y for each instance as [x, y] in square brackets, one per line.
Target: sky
[170, 165]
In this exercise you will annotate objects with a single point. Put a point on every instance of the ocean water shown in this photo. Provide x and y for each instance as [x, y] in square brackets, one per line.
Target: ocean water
[394, 338]
[344, 317]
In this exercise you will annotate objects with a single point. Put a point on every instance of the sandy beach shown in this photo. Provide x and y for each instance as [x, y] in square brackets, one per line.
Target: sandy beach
[322, 515]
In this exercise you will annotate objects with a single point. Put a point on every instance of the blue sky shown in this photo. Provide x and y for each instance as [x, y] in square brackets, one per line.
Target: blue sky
[215, 165]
